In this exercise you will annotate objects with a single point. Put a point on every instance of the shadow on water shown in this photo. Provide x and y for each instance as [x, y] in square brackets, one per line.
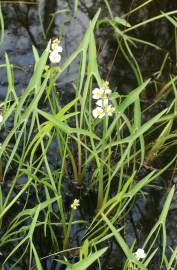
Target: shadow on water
[23, 29]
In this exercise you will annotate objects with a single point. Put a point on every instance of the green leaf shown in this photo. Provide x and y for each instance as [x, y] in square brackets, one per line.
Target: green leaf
[37, 260]
[85, 248]
[84, 264]
[131, 98]
[121, 21]
[123, 245]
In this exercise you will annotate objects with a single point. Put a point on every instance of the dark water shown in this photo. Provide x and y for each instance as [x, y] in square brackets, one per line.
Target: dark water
[23, 29]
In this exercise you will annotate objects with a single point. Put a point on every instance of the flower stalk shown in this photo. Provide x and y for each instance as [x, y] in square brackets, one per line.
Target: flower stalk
[103, 110]
[74, 206]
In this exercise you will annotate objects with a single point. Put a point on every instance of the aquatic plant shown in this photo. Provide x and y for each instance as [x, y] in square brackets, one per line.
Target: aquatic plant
[101, 149]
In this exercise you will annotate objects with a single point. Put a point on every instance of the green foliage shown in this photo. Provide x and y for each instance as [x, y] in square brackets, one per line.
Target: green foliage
[101, 154]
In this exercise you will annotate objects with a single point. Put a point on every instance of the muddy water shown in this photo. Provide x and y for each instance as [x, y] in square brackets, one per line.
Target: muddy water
[23, 29]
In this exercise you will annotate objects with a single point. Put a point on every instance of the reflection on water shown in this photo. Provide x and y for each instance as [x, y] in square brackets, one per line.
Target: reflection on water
[24, 28]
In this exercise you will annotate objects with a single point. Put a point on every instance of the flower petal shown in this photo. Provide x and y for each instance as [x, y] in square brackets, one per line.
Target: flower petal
[95, 90]
[140, 254]
[110, 109]
[98, 112]
[56, 48]
[97, 93]
[54, 57]
[95, 114]
[102, 102]
[107, 91]
[1, 118]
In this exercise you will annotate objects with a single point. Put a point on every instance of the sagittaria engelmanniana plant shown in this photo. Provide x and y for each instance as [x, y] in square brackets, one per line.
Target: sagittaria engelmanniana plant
[102, 96]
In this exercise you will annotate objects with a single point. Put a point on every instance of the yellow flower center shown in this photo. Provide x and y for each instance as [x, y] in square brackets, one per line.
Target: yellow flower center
[110, 110]
[99, 113]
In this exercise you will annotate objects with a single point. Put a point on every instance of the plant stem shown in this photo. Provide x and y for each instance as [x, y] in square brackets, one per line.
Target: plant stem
[101, 186]
[66, 240]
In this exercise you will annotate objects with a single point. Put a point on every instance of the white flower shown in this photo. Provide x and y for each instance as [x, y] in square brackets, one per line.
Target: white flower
[107, 91]
[106, 88]
[140, 254]
[98, 112]
[57, 48]
[102, 102]
[97, 93]
[110, 110]
[75, 204]
[1, 118]
[101, 95]
[54, 57]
